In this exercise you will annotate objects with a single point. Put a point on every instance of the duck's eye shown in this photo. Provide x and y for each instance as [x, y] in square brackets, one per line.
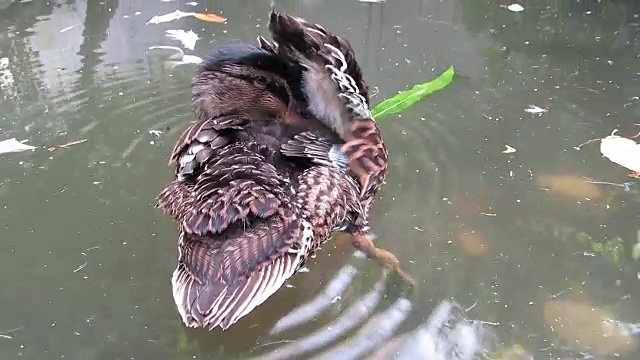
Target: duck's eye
[261, 81]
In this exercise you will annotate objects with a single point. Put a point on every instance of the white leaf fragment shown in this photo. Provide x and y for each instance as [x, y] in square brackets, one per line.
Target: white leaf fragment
[169, 17]
[515, 7]
[187, 38]
[622, 151]
[189, 59]
[12, 145]
[533, 109]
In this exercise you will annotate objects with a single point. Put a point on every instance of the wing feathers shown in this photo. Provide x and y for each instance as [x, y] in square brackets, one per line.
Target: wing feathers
[215, 303]
[221, 278]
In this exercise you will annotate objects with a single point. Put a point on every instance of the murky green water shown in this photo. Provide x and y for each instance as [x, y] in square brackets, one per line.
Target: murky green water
[521, 239]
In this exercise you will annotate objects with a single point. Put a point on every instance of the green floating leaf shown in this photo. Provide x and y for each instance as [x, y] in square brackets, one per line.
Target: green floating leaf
[405, 99]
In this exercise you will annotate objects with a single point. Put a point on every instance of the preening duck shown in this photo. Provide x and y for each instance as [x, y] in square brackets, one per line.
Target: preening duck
[284, 152]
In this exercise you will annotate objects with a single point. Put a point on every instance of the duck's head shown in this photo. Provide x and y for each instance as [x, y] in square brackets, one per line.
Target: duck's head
[241, 79]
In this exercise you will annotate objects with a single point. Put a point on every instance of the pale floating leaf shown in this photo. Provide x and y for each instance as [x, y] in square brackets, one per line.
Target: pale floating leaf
[187, 38]
[515, 7]
[12, 146]
[533, 109]
[508, 150]
[622, 151]
[405, 99]
[169, 17]
[190, 59]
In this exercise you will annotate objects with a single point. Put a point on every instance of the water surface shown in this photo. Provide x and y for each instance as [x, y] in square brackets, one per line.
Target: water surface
[519, 239]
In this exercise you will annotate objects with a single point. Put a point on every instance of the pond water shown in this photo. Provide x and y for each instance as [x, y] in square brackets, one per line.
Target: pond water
[537, 260]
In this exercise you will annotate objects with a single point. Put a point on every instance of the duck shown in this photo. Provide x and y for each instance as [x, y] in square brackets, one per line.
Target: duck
[283, 154]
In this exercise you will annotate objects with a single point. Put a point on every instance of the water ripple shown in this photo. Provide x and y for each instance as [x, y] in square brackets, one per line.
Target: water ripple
[422, 153]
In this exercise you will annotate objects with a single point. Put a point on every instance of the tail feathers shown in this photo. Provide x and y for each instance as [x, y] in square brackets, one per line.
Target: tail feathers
[332, 79]
[267, 45]
[312, 43]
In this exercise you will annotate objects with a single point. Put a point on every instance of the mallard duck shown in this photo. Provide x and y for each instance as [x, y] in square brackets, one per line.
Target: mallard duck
[267, 172]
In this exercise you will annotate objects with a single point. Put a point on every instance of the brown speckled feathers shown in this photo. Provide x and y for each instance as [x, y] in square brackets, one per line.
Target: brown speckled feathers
[250, 205]
[247, 226]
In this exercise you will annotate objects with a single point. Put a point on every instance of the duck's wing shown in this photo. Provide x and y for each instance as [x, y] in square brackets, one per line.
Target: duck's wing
[240, 235]
[239, 230]
[218, 282]
[221, 278]
[336, 93]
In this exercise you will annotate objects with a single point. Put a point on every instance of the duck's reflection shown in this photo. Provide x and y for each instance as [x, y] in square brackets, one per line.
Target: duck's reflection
[446, 334]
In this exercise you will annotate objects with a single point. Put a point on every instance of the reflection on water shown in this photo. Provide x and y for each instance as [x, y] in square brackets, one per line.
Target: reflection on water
[516, 255]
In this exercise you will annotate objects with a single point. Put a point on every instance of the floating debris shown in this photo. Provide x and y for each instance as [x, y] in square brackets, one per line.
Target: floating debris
[181, 14]
[53, 148]
[406, 98]
[508, 150]
[12, 146]
[187, 38]
[515, 7]
[68, 28]
[7, 334]
[533, 109]
[621, 150]
[73, 143]
[209, 17]
[627, 186]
